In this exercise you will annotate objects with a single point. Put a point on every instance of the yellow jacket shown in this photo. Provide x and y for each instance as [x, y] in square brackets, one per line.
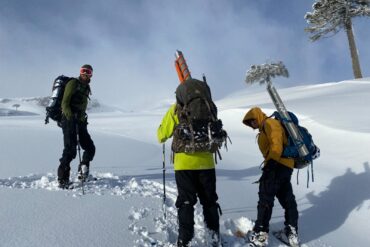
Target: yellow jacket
[183, 161]
[271, 137]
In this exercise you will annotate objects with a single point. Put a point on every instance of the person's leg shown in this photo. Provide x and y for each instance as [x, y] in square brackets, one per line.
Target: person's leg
[185, 202]
[86, 143]
[266, 194]
[69, 151]
[208, 198]
[287, 200]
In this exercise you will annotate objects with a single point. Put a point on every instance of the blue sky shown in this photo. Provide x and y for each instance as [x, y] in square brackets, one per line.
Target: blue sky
[131, 45]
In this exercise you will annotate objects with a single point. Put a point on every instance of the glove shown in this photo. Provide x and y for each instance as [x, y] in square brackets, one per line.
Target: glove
[83, 118]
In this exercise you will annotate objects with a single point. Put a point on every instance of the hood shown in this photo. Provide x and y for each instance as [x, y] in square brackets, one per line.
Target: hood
[254, 113]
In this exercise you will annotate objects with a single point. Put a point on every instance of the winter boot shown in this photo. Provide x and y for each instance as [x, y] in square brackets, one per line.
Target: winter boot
[291, 236]
[64, 184]
[83, 171]
[258, 239]
[63, 176]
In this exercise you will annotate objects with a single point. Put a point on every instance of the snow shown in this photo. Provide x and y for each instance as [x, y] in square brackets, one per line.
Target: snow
[123, 207]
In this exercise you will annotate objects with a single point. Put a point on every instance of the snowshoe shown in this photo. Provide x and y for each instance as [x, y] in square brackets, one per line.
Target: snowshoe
[83, 172]
[288, 236]
[258, 239]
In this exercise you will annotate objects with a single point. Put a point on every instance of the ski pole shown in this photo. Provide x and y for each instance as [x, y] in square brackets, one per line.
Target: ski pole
[79, 152]
[164, 180]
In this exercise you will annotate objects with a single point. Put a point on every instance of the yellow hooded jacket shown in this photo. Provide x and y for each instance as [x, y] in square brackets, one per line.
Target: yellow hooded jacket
[183, 161]
[271, 137]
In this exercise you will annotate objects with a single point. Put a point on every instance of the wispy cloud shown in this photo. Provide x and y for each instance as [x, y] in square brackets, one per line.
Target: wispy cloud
[131, 45]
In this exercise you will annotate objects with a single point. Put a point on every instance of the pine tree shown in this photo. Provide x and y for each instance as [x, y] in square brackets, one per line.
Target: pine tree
[330, 16]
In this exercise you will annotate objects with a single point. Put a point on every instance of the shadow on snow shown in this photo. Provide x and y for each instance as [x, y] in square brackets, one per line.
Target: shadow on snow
[331, 207]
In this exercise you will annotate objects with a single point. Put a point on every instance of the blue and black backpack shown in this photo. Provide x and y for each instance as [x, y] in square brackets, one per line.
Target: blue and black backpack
[291, 150]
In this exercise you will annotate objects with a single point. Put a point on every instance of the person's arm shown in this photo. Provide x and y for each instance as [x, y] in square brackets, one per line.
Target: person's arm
[67, 96]
[167, 126]
[274, 134]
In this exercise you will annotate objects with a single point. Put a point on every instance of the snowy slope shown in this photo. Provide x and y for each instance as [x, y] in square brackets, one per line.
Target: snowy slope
[36, 106]
[124, 206]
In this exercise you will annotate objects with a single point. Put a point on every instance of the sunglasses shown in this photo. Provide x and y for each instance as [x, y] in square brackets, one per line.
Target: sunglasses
[85, 71]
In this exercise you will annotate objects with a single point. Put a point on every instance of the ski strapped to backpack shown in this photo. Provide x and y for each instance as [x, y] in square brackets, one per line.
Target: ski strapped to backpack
[54, 108]
[199, 129]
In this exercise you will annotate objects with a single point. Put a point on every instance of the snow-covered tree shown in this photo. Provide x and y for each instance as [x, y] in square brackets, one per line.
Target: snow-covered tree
[330, 16]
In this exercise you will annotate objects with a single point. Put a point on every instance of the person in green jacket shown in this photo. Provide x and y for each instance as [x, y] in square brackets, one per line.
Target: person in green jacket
[74, 122]
[195, 176]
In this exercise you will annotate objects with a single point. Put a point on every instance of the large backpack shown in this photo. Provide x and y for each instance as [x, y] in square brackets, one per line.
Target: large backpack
[54, 108]
[199, 129]
[291, 150]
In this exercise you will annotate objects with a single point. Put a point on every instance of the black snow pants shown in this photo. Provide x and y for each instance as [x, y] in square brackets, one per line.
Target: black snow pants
[275, 181]
[190, 184]
[70, 128]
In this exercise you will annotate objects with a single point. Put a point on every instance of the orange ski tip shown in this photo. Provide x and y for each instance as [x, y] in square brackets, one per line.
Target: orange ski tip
[181, 67]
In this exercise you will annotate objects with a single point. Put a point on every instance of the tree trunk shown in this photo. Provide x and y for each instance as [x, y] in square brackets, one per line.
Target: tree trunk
[352, 47]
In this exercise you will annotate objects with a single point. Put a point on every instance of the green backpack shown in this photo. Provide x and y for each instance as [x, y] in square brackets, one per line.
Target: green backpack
[199, 129]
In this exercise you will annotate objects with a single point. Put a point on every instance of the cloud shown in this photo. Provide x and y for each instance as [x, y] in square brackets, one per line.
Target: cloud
[131, 45]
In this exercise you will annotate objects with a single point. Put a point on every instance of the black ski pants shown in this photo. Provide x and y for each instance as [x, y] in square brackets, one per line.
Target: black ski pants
[190, 185]
[275, 182]
[70, 128]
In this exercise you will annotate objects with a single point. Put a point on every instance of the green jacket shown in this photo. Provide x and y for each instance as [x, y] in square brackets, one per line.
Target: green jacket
[75, 99]
[183, 161]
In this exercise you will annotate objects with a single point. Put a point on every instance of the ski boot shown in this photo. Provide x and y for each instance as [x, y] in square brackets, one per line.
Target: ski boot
[258, 239]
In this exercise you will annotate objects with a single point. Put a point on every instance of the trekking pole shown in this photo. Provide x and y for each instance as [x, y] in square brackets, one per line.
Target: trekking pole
[79, 152]
[164, 181]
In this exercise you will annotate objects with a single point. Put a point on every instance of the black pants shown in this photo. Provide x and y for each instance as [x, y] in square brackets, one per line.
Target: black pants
[275, 181]
[70, 128]
[190, 184]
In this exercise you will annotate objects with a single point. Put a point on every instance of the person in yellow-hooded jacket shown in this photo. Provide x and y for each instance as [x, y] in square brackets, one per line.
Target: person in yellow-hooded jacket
[275, 179]
[195, 177]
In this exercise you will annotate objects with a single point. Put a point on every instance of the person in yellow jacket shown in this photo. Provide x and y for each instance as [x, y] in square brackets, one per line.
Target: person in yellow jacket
[195, 176]
[275, 179]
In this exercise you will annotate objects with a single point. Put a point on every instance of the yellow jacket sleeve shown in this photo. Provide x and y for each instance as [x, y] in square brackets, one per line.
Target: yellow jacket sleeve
[168, 124]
